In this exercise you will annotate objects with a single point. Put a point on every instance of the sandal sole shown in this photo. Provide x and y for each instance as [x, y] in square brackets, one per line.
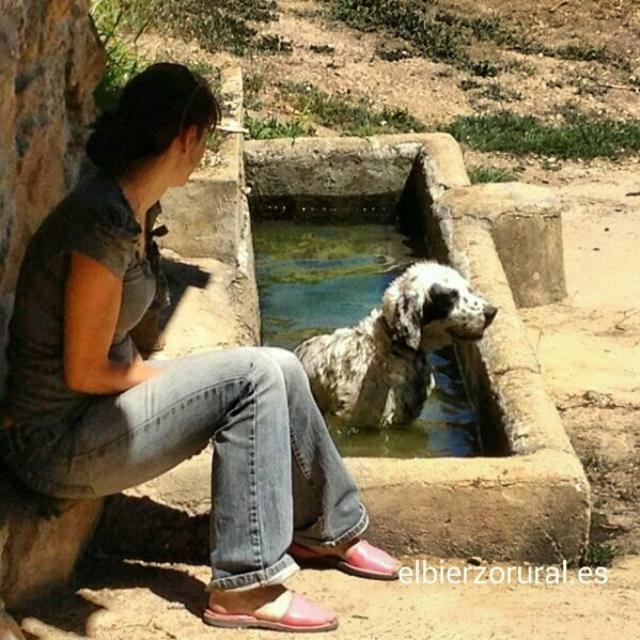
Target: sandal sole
[247, 621]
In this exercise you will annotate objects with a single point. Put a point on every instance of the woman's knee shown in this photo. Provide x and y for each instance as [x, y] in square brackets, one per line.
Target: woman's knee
[288, 362]
[264, 369]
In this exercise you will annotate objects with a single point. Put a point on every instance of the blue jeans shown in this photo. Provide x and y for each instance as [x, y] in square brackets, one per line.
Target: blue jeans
[276, 474]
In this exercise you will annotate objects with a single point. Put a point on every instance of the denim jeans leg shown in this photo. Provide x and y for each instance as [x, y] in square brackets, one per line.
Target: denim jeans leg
[327, 505]
[252, 517]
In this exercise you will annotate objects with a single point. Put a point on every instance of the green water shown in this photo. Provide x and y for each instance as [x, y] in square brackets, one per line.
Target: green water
[315, 278]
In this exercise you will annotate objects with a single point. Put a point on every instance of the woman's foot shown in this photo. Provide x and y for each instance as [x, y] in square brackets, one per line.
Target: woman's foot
[271, 607]
[356, 556]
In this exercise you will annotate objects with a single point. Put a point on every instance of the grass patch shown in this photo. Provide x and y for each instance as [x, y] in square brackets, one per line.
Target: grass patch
[446, 36]
[495, 91]
[269, 128]
[434, 39]
[578, 137]
[254, 84]
[580, 52]
[272, 43]
[119, 25]
[482, 174]
[439, 35]
[219, 25]
[351, 118]
[599, 555]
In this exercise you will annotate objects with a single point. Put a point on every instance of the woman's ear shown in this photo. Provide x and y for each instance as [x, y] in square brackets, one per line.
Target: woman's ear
[188, 138]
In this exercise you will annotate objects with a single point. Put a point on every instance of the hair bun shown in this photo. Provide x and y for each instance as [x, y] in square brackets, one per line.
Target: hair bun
[102, 143]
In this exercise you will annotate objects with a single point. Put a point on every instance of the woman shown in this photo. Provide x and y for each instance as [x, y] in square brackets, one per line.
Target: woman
[90, 417]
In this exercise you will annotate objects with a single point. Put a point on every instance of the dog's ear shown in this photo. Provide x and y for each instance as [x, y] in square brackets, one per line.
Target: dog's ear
[439, 304]
[403, 312]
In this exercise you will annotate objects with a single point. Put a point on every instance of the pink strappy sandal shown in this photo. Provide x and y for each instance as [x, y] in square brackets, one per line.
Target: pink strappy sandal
[364, 560]
[302, 615]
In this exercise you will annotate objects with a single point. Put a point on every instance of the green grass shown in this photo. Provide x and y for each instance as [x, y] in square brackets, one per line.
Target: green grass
[578, 137]
[484, 173]
[599, 555]
[269, 128]
[437, 40]
[359, 118]
[446, 35]
[254, 84]
[119, 25]
[439, 35]
[219, 25]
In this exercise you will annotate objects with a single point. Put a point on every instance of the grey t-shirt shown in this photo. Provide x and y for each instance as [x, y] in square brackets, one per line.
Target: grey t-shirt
[95, 219]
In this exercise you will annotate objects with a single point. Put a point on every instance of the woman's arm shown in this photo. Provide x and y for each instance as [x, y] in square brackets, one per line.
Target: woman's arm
[92, 304]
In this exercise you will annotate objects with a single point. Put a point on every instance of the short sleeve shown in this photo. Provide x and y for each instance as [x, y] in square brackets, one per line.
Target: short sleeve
[108, 245]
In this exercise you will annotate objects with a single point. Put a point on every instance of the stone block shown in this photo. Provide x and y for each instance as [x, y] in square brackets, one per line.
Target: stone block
[526, 224]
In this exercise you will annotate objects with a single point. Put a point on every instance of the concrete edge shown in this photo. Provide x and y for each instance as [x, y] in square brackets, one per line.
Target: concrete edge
[533, 507]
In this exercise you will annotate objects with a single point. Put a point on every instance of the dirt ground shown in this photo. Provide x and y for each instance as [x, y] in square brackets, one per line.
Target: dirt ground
[588, 346]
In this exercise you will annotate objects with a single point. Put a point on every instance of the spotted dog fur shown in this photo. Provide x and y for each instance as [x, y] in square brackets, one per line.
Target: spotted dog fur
[376, 374]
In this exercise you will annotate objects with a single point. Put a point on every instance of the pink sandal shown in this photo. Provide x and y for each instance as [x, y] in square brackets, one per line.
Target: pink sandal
[365, 560]
[301, 615]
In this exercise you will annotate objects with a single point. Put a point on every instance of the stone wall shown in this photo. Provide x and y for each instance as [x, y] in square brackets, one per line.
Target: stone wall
[50, 63]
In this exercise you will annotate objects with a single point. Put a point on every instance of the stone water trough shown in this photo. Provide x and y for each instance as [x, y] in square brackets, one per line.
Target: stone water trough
[526, 497]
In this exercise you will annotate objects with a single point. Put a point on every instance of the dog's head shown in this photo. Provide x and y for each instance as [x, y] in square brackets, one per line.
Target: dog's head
[430, 304]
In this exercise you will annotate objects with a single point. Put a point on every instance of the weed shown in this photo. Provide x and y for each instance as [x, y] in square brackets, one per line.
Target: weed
[206, 69]
[578, 52]
[253, 87]
[468, 85]
[322, 48]
[119, 25]
[483, 173]
[483, 68]
[521, 66]
[599, 555]
[358, 119]
[581, 138]
[273, 43]
[220, 25]
[495, 91]
[268, 128]
[433, 38]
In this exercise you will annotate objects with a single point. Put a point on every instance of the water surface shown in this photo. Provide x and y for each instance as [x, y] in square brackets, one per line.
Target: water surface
[315, 278]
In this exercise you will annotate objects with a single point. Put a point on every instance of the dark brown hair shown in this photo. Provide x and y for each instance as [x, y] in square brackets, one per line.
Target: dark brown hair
[154, 107]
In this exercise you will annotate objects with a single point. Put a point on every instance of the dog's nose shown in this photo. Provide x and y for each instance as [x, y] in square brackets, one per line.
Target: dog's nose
[489, 314]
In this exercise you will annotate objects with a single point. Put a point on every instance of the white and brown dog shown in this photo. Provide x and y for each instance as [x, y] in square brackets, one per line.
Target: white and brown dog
[376, 374]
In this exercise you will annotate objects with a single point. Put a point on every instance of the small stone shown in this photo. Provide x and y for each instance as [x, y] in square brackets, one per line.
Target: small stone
[474, 560]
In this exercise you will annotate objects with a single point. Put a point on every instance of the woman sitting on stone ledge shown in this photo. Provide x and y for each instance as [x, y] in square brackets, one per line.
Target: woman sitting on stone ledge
[88, 417]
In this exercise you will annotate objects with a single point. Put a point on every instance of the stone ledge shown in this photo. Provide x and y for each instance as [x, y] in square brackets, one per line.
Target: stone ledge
[532, 507]
[40, 541]
[525, 221]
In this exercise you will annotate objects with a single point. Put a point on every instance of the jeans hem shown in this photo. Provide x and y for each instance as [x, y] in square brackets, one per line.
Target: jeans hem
[275, 574]
[351, 532]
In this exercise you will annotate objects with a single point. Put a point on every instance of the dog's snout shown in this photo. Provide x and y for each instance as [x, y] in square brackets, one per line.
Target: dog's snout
[489, 314]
